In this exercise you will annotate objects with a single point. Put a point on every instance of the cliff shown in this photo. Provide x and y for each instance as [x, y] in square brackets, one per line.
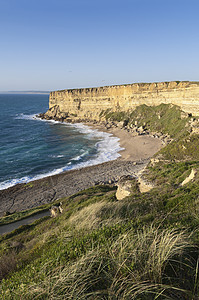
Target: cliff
[87, 103]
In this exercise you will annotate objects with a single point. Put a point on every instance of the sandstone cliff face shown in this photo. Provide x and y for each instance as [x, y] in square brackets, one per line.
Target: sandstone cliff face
[89, 102]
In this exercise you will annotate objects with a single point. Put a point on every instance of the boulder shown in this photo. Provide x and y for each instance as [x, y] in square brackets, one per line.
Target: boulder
[126, 186]
[190, 177]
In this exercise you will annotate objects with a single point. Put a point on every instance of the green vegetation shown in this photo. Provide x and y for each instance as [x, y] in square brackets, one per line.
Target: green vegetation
[23, 214]
[184, 148]
[165, 118]
[114, 116]
[143, 247]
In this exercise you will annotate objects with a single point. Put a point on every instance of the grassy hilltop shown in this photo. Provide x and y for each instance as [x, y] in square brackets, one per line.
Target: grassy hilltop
[143, 247]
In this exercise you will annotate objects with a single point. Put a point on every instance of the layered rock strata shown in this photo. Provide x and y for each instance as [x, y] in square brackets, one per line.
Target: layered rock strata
[88, 103]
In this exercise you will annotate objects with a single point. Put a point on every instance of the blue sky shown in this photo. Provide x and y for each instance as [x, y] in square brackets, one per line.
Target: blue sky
[58, 44]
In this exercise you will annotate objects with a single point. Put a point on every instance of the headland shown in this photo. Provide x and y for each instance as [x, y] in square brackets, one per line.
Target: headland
[88, 103]
[133, 236]
[142, 129]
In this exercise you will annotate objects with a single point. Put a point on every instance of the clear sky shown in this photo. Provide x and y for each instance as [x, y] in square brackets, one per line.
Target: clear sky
[58, 44]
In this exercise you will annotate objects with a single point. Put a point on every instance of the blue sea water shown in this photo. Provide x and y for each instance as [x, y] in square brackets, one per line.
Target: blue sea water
[31, 148]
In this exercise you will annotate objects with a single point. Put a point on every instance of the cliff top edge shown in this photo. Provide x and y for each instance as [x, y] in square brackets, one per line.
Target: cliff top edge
[169, 84]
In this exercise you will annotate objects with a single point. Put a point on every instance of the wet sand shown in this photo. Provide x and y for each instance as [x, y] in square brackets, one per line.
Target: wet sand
[134, 158]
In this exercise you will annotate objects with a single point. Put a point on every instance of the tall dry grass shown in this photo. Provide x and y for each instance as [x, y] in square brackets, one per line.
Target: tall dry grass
[139, 265]
[103, 214]
[142, 261]
[78, 280]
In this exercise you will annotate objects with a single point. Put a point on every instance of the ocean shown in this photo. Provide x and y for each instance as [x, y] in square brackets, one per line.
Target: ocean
[31, 148]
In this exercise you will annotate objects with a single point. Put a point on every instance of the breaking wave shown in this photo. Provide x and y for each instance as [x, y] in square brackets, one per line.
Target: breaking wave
[107, 147]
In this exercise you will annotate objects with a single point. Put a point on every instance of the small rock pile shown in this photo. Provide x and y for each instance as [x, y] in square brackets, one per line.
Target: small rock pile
[136, 130]
[194, 124]
[54, 113]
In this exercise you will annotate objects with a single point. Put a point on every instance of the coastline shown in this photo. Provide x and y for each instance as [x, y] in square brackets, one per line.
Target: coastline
[135, 156]
[135, 148]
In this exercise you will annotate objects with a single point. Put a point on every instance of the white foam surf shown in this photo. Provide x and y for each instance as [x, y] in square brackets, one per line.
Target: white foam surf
[26, 117]
[56, 156]
[107, 150]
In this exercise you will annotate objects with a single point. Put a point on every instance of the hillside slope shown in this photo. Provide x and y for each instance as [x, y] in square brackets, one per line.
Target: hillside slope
[142, 247]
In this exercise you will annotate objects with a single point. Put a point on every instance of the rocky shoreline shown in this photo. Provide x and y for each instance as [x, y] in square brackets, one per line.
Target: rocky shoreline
[138, 149]
[54, 113]
[25, 196]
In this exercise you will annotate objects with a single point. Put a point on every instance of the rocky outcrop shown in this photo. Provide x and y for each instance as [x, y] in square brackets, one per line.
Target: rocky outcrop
[190, 177]
[88, 103]
[144, 186]
[194, 124]
[54, 113]
[126, 186]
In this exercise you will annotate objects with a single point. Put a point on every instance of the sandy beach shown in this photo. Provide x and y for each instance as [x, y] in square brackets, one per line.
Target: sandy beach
[135, 156]
[136, 148]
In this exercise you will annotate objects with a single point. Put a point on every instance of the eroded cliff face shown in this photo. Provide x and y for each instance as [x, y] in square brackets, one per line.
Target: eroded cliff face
[87, 103]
